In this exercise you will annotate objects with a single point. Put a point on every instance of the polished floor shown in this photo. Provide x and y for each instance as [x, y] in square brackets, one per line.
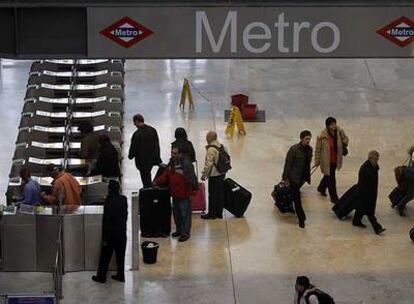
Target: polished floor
[256, 259]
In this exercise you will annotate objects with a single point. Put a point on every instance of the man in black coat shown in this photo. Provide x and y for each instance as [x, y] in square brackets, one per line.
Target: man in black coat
[107, 163]
[297, 171]
[145, 148]
[113, 233]
[367, 193]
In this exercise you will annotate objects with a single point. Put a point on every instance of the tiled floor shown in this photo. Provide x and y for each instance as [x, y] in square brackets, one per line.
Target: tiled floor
[256, 259]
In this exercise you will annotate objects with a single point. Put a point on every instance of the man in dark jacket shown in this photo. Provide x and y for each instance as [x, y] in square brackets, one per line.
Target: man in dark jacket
[297, 171]
[113, 233]
[107, 163]
[181, 178]
[89, 144]
[145, 149]
[367, 193]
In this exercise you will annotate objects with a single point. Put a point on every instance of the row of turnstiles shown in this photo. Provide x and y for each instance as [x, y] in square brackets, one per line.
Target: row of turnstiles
[60, 95]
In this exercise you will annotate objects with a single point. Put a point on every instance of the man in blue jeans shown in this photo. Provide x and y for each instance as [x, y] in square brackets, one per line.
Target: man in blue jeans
[182, 181]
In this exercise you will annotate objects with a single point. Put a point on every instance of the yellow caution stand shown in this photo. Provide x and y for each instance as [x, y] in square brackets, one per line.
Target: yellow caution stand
[235, 118]
[186, 92]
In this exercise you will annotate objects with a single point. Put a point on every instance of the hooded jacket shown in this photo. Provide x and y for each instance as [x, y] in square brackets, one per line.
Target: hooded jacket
[180, 178]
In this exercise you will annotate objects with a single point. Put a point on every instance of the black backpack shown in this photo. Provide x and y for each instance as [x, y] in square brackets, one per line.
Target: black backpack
[223, 162]
[323, 297]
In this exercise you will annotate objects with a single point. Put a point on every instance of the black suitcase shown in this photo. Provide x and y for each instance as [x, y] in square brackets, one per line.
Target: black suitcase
[155, 212]
[347, 203]
[395, 196]
[237, 198]
[281, 196]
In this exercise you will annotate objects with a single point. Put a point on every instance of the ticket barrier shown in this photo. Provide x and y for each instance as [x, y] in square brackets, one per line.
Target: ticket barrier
[106, 103]
[29, 238]
[56, 119]
[79, 78]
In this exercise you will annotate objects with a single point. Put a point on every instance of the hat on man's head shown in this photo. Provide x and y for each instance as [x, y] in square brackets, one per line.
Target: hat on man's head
[303, 281]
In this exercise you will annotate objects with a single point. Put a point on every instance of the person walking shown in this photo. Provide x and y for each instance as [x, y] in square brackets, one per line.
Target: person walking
[297, 171]
[367, 193]
[182, 142]
[145, 149]
[306, 293]
[329, 155]
[215, 176]
[182, 181]
[114, 238]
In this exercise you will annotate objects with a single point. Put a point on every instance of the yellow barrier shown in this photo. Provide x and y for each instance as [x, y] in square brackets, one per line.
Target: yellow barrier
[235, 118]
[186, 92]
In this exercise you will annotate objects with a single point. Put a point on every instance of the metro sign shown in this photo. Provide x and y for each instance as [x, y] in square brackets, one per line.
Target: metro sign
[400, 31]
[126, 32]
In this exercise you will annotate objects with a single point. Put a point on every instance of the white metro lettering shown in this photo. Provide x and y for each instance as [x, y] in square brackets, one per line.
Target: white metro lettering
[122, 32]
[257, 36]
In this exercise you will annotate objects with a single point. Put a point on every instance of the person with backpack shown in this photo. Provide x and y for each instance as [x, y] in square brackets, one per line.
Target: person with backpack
[297, 171]
[182, 181]
[216, 165]
[306, 293]
[186, 146]
[331, 146]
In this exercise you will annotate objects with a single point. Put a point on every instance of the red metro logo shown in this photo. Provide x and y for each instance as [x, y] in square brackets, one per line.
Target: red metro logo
[400, 31]
[126, 32]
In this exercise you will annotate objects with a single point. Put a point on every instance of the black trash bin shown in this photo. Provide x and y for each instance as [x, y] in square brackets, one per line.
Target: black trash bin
[149, 252]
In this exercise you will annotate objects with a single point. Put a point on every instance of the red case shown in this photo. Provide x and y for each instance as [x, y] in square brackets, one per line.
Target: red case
[249, 111]
[198, 199]
[239, 100]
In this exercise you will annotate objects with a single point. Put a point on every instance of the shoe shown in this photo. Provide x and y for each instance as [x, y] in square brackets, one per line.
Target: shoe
[207, 217]
[361, 225]
[176, 234]
[183, 238]
[98, 279]
[302, 224]
[118, 278]
[379, 231]
[401, 211]
[334, 201]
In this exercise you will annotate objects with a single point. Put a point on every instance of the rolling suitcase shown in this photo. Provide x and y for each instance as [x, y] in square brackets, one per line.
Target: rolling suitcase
[198, 198]
[237, 198]
[155, 212]
[281, 196]
[395, 196]
[347, 203]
